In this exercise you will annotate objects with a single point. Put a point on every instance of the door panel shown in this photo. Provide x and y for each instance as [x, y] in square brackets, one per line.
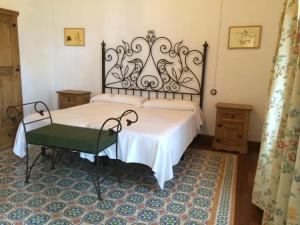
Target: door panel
[6, 54]
[10, 79]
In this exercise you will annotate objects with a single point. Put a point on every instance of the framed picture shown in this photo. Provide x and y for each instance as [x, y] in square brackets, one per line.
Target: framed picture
[74, 36]
[244, 37]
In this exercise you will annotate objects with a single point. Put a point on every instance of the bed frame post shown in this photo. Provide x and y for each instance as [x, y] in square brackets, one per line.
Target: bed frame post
[205, 46]
[103, 66]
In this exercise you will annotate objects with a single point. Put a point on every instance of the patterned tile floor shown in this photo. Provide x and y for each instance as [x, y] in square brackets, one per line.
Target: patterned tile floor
[202, 192]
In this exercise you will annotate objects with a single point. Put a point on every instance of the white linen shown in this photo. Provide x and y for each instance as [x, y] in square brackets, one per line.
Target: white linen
[80, 116]
[158, 140]
[174, 104]
[119, 98]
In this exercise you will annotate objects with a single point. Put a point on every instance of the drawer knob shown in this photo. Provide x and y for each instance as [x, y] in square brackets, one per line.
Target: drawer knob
[219, 125]
[218, 140]
[232, 116]
[240, 136]
[9, 134]
[69, 100]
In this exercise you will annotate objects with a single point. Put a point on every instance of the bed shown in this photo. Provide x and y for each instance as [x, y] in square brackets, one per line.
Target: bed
[163, 83]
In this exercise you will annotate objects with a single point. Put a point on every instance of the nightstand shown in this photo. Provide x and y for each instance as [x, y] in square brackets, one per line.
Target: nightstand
[232, 125]
[70, 98]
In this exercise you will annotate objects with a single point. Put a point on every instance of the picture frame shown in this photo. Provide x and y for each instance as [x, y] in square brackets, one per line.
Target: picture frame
[74, 36]
[244, 37]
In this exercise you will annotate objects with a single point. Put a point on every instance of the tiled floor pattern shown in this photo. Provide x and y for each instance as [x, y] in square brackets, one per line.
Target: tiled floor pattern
[201, 192]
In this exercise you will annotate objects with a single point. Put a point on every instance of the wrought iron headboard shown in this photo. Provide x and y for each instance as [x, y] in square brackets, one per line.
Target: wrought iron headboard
[153, 65]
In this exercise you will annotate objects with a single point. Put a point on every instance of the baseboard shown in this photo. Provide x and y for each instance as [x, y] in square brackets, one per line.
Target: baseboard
[207, 140]
[254, 145]
[203, 139]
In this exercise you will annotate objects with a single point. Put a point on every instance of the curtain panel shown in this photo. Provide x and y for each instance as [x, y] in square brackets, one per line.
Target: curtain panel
[277, 181]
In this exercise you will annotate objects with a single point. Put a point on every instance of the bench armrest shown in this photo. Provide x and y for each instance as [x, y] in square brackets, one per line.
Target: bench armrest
[15, 111]
[117, 127]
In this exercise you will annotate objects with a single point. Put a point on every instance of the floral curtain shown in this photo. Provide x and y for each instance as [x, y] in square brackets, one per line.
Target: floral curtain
[277, 181]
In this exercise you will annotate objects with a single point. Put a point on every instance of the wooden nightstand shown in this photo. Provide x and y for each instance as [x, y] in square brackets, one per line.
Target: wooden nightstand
[232, 125]
[70, 98]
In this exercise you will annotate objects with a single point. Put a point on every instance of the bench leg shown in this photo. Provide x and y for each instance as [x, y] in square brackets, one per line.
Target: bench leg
[44, 152]
[96, 180]
[117, 161]
[29, 167]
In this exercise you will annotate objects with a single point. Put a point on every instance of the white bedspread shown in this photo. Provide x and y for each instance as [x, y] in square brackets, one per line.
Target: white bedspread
[158, 139]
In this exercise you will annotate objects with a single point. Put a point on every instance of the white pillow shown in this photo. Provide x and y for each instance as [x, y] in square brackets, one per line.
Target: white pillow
[173, 104]
[119, 98]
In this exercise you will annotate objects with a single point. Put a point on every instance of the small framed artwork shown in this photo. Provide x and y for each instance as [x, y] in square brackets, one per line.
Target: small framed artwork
[74, 36]
[241, 37]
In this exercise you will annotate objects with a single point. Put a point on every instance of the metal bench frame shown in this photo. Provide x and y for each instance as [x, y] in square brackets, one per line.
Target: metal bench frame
[41, 108]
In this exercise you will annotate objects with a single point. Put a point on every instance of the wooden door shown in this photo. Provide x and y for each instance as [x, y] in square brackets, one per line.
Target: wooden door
[10, 77]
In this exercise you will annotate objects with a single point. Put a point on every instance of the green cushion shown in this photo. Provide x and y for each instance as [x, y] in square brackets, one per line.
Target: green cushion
[69, 137]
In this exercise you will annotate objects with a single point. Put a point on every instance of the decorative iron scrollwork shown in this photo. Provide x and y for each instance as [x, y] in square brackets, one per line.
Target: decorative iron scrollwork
[154, 64]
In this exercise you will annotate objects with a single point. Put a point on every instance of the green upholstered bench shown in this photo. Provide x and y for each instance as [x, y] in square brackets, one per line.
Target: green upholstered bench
[59, 137]
[79, 139]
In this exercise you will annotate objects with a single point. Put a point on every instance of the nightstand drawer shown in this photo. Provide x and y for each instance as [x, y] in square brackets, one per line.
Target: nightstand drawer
[71, 98]
[230, 134]
[68, 99]
[228, 115]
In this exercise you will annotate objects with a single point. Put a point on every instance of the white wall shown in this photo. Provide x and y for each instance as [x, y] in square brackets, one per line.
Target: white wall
[242, 75]
[117, 20]
[35, 40]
